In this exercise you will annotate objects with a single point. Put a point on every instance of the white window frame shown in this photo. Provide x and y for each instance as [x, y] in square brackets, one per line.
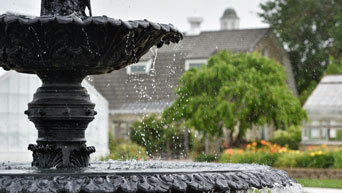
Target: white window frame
[265, 52]
[146, 63]
[188, 62]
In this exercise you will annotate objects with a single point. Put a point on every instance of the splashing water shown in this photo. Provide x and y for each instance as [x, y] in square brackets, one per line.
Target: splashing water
[154, 51]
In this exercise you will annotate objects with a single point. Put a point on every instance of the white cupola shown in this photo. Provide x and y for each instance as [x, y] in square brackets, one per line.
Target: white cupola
[195, 25]
[230, 20]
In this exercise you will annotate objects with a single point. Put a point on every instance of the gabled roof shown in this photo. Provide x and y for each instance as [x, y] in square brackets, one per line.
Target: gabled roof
[326, 99]
[207, 43]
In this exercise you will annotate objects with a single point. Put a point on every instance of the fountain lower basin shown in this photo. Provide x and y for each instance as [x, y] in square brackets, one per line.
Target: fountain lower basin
[144, 177]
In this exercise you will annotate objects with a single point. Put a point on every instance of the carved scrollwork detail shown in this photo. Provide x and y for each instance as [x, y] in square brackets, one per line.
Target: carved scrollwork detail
[132, 183]
[49, 156]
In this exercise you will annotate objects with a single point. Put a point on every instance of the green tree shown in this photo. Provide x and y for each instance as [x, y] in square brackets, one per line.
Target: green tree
[235, 91]
[311, 32]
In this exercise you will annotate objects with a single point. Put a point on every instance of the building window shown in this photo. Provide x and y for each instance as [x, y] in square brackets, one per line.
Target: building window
[194, 63]
[142, 67]
[324, 131]
[264, 52]
[315, 134]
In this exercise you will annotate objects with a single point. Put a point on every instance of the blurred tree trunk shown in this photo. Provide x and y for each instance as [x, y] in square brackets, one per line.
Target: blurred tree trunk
[168, 149]
[227, 137]
[186, 142]
[206, 147]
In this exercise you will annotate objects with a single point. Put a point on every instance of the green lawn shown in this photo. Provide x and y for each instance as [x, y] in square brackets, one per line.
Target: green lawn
[320, 183]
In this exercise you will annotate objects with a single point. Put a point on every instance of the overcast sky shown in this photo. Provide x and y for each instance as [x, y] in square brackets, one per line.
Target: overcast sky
[162, 11]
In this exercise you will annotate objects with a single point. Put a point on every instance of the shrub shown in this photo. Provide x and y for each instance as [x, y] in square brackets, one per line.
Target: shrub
[206, 158]
[127, 151]
[121, 150]
[275, 155]
[287, 160]
[159, 138]
[314, 160]
[337, 159]
[248, 157]
[290, 138]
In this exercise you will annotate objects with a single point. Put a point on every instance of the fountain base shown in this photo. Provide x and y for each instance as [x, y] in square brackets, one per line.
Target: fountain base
[59, 156]
[145, 177]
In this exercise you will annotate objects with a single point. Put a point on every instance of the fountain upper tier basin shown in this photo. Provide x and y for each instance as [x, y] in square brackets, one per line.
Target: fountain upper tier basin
[90, 45]
[144, 177]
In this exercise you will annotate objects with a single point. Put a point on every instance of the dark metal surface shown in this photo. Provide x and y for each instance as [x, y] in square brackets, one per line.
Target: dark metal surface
[65, 7]
[144, 177]
[94, 45]
[61, 111]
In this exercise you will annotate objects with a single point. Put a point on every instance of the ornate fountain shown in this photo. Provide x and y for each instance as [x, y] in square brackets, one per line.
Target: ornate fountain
[62, 47]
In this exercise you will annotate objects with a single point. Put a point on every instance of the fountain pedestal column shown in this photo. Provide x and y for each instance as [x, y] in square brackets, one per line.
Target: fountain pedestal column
[61, 111]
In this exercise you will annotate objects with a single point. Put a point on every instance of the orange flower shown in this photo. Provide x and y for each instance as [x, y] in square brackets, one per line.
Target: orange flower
[254, 144]
[229, 151]
[263, 142]
[311, 147]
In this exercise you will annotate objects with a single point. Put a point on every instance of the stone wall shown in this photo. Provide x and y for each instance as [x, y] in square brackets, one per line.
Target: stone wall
[314, 173]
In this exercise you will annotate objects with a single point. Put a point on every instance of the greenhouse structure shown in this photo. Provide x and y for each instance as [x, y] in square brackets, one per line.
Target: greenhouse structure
[16, 131]
[324, 108]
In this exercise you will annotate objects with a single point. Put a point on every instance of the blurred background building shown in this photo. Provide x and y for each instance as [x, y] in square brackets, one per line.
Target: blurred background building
[16, 131]
[324, 108]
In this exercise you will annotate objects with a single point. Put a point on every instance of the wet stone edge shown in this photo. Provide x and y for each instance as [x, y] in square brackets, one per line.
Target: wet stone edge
[131, 183]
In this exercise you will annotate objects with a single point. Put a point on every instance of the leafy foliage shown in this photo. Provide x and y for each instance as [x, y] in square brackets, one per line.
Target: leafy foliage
[120, 150]
[311, 31]
[290, 137]
[275, 155]
[334, 68]
[235, 91]
[158, 138]
[206, 158]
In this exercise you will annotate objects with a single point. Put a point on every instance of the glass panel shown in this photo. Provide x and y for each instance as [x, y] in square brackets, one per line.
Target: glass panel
[335, 134]
[336, 123]
[139, 69]
[314, 133]
[316, 123]
[325, 123]
[305, 134]
[332, 133]
[324, 133]
[195, 65]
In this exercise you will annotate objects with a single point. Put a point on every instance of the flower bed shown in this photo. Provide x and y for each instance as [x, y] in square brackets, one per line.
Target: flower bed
[266, 153]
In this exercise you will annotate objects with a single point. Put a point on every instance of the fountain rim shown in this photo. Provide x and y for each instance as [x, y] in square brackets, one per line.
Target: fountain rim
[143, 180]
[105, 168]
[83, 22]
[84, 172]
